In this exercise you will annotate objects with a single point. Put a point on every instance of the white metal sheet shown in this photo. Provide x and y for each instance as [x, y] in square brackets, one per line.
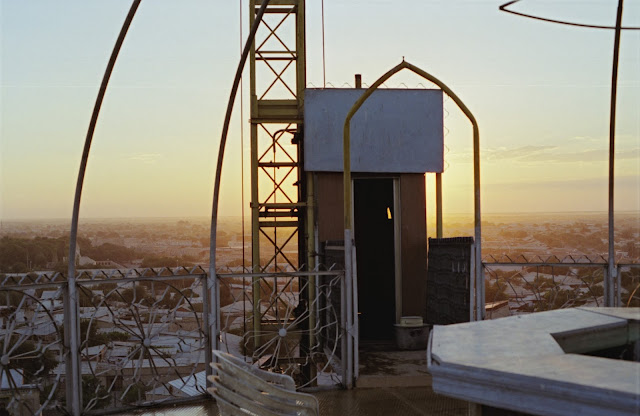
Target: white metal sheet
[396, 130]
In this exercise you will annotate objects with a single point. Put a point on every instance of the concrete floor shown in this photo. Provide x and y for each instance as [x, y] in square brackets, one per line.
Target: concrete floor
[402, 401]
[393, 369]
[390, 383]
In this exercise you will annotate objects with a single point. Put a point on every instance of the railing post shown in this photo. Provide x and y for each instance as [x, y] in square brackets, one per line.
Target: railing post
[618, 295]
[209, 322]
[348, 269]
[73, 379]
[344, 325]
[609, 283]
[355, 324]
[482, 294]
[473, 292]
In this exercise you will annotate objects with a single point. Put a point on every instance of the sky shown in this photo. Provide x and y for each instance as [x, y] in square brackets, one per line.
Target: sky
[539, 91]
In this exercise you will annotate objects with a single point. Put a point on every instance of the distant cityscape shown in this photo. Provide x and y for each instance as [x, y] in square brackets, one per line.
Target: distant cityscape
[130, 243]
[575, 239]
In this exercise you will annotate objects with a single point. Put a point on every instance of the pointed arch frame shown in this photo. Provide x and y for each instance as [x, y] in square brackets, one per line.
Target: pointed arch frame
[348, 223]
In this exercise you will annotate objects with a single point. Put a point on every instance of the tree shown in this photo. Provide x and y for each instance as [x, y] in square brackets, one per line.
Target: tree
[136, 294]
[89, 336]
[495, 291]
[134, 393]
[108, 251]
[161, 261]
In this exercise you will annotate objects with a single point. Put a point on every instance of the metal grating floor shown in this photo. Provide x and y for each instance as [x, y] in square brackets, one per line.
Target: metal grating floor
[401, 401]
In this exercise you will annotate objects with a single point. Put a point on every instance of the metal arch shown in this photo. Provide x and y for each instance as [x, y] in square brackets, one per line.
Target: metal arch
[610, 298]
[356, 106]
[545, 19]
[75, 394]
[610, 281]
[347, 189]
[212, 317]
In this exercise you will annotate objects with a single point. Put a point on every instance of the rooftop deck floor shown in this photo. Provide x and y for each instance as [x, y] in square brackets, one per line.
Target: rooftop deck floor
[401, 401]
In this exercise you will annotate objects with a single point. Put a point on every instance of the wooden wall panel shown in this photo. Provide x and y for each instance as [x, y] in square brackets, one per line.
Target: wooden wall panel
[330, 204]
[413, 226]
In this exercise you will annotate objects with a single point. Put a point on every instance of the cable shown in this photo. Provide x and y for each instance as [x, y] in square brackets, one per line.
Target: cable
[244, 312]
[324, 67]
[242, 146]
[218, 174]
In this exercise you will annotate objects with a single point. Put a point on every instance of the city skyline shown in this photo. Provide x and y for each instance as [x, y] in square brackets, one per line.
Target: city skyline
[540, 93]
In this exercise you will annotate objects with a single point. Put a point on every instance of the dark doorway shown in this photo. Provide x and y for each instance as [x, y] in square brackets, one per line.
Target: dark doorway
[375, 256]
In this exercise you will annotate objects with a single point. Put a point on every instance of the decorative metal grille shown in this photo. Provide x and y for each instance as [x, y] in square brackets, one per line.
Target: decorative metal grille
[31, 344]
[300, 331]
[143, 334]
[142, 339]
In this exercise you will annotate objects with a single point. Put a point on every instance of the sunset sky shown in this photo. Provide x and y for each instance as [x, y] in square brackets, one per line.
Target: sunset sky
[539, 91]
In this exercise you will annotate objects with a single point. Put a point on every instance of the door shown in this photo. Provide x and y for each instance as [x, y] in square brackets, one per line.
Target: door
[374, 217]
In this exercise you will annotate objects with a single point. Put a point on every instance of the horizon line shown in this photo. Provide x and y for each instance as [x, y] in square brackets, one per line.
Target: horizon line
[200, 217]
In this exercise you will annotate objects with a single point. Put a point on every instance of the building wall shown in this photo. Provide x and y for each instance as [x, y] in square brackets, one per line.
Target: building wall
[329, 206]
[413, 229]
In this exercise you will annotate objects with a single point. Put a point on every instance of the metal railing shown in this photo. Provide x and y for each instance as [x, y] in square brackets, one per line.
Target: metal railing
[142, 339]
[144, 334]
[535, 284]
[298, 330]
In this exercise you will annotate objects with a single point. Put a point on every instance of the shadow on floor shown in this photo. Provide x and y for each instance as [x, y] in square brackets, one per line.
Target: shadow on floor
[402, 401]
[405, 401]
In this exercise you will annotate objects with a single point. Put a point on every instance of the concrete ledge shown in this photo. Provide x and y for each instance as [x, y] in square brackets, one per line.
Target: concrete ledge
[516, 363]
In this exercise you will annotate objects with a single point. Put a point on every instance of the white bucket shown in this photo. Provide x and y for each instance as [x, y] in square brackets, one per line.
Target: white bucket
[411, 333]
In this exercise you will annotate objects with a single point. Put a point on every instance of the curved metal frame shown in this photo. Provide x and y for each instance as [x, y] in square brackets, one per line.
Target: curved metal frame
[212, 318]
[611, 283]
[610, 297]
[545, 19]
[74, 396]
[348, 228]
